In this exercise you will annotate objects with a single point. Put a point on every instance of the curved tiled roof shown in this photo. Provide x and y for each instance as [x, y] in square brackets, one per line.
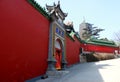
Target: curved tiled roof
[100, 42]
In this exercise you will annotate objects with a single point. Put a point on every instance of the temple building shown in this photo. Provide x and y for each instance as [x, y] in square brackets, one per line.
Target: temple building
[35, 41]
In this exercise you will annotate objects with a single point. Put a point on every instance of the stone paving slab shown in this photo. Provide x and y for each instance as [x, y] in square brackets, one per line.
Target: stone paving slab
[103, 71]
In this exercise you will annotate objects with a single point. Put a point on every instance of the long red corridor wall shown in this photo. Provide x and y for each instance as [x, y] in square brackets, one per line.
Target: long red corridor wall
[23, 41]
[99, 48]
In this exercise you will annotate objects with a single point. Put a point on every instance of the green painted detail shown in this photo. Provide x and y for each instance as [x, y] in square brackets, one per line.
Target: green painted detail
[103, 41]
[100, 42]
[75, 35]
[72, 34]
[78, 38]
[39, 8]
[70, 37]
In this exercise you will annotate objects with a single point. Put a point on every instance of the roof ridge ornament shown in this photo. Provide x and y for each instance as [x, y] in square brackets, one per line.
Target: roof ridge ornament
[56, 12]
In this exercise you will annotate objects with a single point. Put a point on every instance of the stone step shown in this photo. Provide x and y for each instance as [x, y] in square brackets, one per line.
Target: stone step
[57, 73]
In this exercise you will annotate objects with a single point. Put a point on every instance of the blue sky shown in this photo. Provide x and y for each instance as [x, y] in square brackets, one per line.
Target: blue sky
[104, 14]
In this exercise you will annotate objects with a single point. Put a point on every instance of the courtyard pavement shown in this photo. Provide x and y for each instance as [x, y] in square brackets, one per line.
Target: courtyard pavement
[102, 71]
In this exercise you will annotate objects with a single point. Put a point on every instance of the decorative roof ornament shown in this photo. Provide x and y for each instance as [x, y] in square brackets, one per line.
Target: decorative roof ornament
[69, 27]
[69, 23]
[56, 12]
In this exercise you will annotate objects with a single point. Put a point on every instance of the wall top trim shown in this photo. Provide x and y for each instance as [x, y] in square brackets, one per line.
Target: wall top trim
[39, 8]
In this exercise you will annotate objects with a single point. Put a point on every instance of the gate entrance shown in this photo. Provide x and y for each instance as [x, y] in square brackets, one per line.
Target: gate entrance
[58, 54]
[58, 57]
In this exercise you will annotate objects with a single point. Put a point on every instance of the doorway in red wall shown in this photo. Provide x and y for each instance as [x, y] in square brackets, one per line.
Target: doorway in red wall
[58, 57]
[58, 54]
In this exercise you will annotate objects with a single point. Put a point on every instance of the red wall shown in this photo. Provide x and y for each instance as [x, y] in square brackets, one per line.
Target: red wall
[72, 50]
[23, 41]
[24, 35]
[99, 48]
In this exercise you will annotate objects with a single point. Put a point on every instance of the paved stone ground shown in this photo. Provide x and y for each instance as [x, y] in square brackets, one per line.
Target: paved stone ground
[103, 71]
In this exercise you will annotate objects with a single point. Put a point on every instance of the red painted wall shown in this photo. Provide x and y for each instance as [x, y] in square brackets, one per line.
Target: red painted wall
[99, 48]
[24, 35]
[72, 50]
[23, 41]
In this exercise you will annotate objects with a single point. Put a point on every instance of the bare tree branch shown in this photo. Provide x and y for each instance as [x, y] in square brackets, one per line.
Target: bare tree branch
[117, 36]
